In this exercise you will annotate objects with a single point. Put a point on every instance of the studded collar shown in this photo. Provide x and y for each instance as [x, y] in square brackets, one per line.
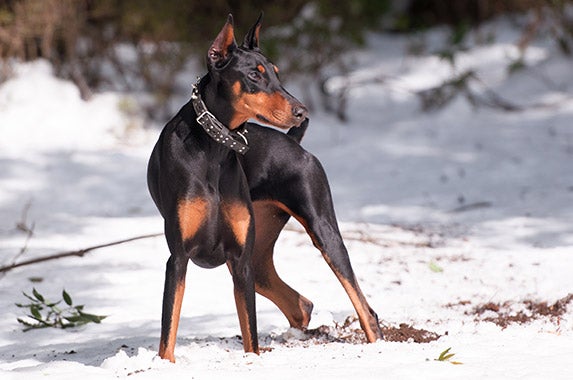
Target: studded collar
[234, 140]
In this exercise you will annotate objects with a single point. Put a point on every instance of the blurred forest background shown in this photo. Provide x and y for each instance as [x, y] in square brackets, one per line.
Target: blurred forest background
[143, 45]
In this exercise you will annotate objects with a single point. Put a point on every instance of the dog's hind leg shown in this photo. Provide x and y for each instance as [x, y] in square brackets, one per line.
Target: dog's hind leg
[269, 221]
[312, 207]
[328, 240]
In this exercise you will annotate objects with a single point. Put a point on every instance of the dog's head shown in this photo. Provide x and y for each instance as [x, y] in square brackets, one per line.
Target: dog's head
[250, 81]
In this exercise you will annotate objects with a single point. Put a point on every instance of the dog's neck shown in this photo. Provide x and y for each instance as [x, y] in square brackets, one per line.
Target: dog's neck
[215, 101]
[233, 139]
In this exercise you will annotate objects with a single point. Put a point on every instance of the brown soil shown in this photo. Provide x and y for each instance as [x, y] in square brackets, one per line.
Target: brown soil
[502, 315]
[407, 333]
[350, 332]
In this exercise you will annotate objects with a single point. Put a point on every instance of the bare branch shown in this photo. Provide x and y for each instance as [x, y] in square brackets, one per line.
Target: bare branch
[78, 253]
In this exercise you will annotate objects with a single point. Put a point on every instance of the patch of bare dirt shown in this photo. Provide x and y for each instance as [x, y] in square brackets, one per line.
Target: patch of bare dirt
[407, 333]
[507, 313]
[350, 332]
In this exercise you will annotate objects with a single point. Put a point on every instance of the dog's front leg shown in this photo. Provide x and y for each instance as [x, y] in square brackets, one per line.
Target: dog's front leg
[238, 216]
[244, 291]
[172, 299]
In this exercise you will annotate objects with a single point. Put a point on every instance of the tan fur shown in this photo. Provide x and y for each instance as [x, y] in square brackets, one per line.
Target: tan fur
[273, 107]
[238, 217]
[191, 213]
[166, 351]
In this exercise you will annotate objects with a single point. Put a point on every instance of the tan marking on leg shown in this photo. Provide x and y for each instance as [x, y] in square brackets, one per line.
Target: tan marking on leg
[246, 332]
[191, 214]
[238, 217]
[243, 315]
[269, 222]
[294, 306]
[166, 350]
[367, 321]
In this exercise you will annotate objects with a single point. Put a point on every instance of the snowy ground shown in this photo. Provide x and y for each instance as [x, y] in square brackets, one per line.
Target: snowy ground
[441, 212]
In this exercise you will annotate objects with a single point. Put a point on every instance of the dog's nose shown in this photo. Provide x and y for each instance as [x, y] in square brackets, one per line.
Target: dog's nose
[299, 111]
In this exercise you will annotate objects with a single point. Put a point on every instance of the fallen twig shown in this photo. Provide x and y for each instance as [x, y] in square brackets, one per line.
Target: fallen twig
[78, 253]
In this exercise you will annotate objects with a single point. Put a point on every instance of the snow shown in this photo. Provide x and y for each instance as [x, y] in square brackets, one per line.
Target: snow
[437, 209]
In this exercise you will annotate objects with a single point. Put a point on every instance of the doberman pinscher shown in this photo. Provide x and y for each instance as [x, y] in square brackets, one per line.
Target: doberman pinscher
[226, 188]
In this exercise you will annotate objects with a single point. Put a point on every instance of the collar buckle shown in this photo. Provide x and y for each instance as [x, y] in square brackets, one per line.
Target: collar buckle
[203, 118]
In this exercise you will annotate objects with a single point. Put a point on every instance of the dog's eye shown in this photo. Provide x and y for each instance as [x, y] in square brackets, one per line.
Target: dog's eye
[215, 55]
[255, 76]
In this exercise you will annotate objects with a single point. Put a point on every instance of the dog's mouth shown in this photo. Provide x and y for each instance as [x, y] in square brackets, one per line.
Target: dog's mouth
[265, 120]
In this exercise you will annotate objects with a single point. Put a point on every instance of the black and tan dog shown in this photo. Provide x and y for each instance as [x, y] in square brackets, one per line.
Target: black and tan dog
[226, 188]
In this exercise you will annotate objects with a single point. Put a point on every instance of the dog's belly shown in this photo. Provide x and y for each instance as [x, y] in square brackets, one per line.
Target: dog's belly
[209, 260]
[212, 254]
[208, 256]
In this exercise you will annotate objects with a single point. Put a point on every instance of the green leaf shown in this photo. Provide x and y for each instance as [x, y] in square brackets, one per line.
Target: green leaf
[38, 296]
[52, 304]
[92, 317]
[445, 355]
[435, 267]
[29, 297]
[35, 310]
[67, 298]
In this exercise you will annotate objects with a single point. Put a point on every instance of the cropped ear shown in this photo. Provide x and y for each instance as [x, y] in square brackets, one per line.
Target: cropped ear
[252, 38]
[223, 44]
